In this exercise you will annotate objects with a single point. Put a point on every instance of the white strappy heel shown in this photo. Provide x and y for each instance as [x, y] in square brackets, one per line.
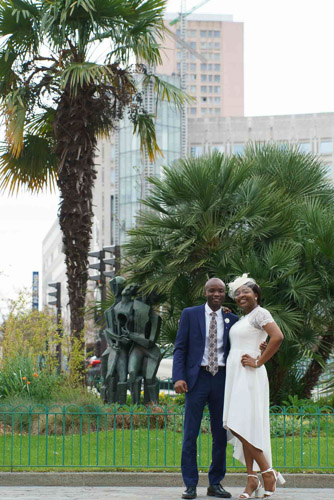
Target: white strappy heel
[278, 477]
[246, 495]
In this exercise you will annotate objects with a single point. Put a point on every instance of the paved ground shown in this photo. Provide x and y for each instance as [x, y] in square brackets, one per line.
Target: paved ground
[141, 493]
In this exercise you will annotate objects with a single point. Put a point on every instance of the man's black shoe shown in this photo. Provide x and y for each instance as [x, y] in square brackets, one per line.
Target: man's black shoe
[190, 492]
[216, 490]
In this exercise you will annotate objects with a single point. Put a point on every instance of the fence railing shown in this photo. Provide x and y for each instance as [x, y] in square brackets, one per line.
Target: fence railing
[148, 437]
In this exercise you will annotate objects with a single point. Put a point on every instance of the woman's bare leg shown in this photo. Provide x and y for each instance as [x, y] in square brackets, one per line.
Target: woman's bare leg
[251, 453]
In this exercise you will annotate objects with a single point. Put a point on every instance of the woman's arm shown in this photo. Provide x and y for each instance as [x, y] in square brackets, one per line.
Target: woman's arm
[276, 338]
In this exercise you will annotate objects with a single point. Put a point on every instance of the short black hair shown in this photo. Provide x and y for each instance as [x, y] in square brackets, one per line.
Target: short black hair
[256, 289]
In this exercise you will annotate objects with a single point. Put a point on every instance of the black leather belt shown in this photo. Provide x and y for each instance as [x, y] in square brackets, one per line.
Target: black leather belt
[206, 368]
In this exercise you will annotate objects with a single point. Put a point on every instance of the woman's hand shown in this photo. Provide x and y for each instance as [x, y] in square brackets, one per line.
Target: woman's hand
[247, 360]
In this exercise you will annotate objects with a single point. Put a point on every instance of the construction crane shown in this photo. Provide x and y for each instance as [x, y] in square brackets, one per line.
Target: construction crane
[185, 47]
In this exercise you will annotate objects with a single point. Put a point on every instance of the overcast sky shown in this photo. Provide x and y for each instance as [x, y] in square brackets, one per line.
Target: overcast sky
[288, 69]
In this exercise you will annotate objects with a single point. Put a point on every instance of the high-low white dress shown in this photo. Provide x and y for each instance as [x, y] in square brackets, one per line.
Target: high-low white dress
[246, 402]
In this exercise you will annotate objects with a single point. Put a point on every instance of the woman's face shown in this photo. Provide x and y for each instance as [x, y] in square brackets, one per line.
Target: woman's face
[245, 298]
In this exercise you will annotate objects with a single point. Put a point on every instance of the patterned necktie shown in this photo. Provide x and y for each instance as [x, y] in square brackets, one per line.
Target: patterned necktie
[212, 352]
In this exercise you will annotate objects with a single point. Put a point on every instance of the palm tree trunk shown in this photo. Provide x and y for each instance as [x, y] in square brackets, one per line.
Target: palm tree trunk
[76, 144]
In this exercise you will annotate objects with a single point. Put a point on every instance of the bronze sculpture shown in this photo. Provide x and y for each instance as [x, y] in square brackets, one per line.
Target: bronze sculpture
[132, 356]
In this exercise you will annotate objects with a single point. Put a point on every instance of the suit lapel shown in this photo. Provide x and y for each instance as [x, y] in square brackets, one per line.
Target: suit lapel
[201, 318]
[225, 333]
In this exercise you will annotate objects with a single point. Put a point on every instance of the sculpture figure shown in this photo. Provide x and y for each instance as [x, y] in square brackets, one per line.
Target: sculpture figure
[132, 329]
[115, 358]
[145, 355]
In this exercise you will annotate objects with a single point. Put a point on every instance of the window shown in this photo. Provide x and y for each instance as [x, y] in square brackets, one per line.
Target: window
[203, 78]
[216, 34]
[217, 89]
[195, 151]
[178, 66]
[217, 67]
[210, 67]
[193, 111]
[217, 78]
[210, 33]
[203, 34]
[192, 32]
[329, 170]
[216, 56]
[238, 149]
[217, 100]
[192, 77]
[217, 45]
[193, 45]
[193, 89]
[326, 147]
[210, 111]
[304, 147]
[210, 78]
[210, 89]
[203, 67]
[178, 55]
[217, 111]
[192, 67]
[218, 147]
[203, 45]
[210, 99]
[203, 99]
[203, 111]
[203, 88]
[283, 145]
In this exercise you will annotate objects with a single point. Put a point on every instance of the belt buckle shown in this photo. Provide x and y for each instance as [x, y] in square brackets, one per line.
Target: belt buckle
[207, 368]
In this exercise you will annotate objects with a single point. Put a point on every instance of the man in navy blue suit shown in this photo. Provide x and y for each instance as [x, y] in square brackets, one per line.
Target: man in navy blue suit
[200, 352]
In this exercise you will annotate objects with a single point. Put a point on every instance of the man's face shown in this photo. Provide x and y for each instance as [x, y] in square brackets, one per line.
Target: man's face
[215, 293]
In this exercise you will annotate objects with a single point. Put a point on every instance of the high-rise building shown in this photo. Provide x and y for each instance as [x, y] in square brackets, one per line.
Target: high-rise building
[216, 78]
[132, 167]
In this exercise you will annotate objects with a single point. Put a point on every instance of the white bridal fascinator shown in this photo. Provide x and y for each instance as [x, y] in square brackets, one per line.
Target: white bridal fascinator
[237, 283]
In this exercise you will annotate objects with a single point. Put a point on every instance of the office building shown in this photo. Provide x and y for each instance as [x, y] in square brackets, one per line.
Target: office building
[312, 133]
[216, 78]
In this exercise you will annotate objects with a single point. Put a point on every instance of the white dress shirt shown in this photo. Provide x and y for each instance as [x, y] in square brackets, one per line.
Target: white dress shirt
[220, 335]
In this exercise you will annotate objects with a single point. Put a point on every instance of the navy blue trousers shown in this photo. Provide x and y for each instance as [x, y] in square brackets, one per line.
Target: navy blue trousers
[210, 390]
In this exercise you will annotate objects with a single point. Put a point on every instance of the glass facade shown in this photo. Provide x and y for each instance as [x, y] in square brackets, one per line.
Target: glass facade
[132, 166]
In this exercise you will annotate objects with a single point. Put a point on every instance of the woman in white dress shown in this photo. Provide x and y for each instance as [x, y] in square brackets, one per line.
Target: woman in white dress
[246, 403]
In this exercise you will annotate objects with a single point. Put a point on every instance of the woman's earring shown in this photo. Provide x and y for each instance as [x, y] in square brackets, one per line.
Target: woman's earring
[255, 298]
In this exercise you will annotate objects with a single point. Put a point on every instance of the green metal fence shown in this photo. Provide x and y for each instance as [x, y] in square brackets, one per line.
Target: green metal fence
[148, 438]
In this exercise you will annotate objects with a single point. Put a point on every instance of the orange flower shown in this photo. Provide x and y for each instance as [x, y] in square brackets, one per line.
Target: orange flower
[24, 378]
[35, 374]
[28, 382]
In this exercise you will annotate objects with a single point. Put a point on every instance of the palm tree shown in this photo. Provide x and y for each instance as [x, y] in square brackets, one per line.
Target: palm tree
[269, 213]
[65, 78]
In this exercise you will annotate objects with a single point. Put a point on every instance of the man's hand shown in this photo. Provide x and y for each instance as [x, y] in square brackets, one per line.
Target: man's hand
[226, 310]
[263, 347]
[180, 386]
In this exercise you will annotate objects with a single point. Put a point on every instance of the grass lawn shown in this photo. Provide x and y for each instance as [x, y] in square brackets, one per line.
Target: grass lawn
[137, 449]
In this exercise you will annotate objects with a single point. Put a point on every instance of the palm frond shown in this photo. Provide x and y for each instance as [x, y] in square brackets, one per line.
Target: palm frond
[34, 168]
[166, 91]
[15, 109]
[144, 126]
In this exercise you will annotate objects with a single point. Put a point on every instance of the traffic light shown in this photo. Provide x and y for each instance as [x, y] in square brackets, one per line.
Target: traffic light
[100, 266]
[103, 262]
[55, 294]
[113, 261]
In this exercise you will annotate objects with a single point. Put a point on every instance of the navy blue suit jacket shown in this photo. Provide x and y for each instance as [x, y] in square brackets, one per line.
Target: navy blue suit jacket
[190, 343]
